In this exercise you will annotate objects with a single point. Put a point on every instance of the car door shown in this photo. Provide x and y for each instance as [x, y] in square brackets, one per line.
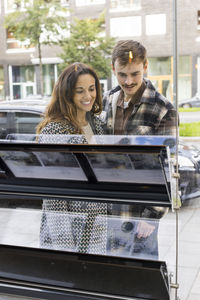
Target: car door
[23, 124]
[4, 123]
[26, 122]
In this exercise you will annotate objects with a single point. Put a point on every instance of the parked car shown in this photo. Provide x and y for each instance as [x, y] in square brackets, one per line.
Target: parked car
[193, 102]
[20, 116]
[189, 169]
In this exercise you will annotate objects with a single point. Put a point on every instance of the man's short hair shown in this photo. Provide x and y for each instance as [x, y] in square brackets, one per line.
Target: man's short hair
[128, 50]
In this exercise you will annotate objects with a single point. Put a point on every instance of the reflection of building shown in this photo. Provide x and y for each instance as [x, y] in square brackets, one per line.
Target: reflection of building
[148, 22]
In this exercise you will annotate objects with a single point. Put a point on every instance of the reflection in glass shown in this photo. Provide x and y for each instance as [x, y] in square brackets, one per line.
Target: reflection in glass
[135, 168]
[26, 122]
[120, 5]
[49, 78]
[115, 234]
[126, 26]
[3, 124]
[159, 66]
[74, 226]
[43, 165]
[17, 91]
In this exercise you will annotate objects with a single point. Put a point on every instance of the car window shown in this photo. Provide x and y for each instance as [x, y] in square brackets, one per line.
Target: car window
[26, 122]
[3, 124]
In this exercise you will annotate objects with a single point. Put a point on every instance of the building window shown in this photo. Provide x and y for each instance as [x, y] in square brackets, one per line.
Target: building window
[49, 77]
[159, 66]
[12, 5]
[184, 77]
[14, 45]
[123, 5]
[89, 2]
[22, 81]
[125, 26]
[160, 73]
[26, 122]
[64, 3]
[2, 92]
[156, 24]
[198, 19]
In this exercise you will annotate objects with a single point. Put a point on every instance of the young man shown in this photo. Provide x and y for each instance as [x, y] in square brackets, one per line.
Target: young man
[135, 107]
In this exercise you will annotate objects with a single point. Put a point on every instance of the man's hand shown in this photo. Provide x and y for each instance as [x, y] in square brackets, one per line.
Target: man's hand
[144, 229]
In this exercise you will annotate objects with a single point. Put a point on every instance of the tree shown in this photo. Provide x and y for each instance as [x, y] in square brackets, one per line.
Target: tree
[86, 44]
[39, 22]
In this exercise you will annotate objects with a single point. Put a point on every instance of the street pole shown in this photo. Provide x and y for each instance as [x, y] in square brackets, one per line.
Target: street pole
[175, 102]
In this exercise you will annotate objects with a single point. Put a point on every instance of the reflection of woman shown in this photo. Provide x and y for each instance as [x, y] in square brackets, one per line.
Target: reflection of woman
[76, 101]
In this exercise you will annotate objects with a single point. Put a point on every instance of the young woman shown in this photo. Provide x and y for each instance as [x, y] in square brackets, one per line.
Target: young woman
[74, 106]
[73, 225]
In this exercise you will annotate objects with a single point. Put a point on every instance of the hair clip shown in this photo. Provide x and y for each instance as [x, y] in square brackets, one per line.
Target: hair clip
[130, 56]
[75, 68]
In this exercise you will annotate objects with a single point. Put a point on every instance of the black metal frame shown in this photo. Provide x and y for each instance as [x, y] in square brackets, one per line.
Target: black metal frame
[49, 274]
[137, 193]
[80, 276]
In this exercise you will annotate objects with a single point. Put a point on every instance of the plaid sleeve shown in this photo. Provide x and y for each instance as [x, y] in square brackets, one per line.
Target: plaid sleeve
[168, 123]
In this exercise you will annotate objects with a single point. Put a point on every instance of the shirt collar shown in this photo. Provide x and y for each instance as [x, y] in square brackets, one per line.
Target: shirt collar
[135, 98]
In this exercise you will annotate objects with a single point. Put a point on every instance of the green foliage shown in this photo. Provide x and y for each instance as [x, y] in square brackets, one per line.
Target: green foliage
[181, 109]
[87, 45]
[189, 129]
[39, 22]
[38, 18]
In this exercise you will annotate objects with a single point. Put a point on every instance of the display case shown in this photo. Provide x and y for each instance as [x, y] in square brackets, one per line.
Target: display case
[34, 177]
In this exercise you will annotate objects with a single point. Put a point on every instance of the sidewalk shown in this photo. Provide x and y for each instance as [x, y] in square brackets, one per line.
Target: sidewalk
[26, 233]
[189, 251]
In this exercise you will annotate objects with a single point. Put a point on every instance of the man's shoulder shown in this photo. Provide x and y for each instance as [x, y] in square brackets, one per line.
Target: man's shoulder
[163, 101]
[111, 91]
[153, 96]
[110, 97]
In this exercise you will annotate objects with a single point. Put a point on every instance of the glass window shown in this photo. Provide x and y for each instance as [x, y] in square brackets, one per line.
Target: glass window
[184, 77]
[184, 87]
[13, 44]
[125, 26]
[127, 168]
[91, 226]
[49, 78]
[23, 81]
[26, 122]
[23, 73]
[11, 5]
[65, 3]
[89, 2]
[184, 64]
[155, 24]
[120, 5]
[43, 165]
[3, 124]
[17, 91]
[159, 66]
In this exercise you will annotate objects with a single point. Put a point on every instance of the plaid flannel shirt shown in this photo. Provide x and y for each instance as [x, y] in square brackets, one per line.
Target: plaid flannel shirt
[153, 115]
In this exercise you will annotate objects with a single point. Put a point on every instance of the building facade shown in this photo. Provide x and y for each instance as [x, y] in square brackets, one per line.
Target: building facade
[150, 22]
